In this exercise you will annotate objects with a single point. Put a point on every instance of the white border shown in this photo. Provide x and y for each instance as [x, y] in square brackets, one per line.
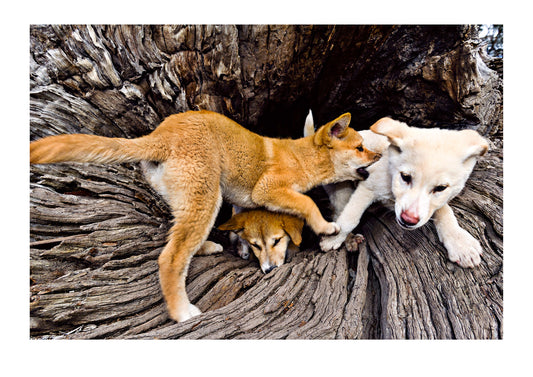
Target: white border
[266, 357]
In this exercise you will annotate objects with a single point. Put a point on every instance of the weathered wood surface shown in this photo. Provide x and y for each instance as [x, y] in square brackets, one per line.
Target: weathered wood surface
[96, 231]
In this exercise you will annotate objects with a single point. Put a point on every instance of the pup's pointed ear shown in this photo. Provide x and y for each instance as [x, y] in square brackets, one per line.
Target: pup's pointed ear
[337, 128]
[309, 126]
[395, 131]
[293, 227]
[477, 145]
[236, 223]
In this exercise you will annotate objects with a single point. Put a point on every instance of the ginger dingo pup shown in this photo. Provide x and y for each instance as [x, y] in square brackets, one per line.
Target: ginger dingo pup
[420, 172]
[269, 234]
[205, 157]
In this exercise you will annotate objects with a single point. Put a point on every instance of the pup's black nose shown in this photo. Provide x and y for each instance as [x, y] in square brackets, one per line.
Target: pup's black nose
[363, 173]
[270, 268]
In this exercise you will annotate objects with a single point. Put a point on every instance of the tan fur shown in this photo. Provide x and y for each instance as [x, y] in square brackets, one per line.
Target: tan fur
[206, 157]
[269, 234]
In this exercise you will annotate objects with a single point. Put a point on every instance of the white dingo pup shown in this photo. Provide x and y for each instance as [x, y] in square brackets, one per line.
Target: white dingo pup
[420, 171]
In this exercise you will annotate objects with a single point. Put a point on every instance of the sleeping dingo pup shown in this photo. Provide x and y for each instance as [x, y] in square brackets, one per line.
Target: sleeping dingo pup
[270, 235]
[205, 157]
[420, 172]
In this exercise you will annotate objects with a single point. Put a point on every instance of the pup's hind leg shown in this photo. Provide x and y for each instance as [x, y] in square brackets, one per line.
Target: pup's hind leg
[194, 218]
[154, 173]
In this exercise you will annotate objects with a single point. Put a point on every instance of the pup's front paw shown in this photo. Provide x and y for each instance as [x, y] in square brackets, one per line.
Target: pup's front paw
[331, 229]
[463, 249]
[329, 243]
[322, 227]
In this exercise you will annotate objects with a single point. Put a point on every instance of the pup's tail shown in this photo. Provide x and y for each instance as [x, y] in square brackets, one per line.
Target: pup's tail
[97, 149]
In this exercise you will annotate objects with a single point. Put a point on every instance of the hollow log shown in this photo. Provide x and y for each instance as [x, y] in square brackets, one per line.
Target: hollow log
[96, 230]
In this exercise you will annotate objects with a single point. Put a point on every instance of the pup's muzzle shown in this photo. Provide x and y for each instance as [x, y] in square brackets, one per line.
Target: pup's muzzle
[269, 268]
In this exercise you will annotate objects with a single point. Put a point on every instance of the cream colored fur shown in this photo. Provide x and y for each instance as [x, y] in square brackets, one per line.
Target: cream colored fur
[420, 172]
[204, 157]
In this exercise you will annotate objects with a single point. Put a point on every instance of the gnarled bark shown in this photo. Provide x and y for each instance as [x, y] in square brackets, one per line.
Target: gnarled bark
[96, 231]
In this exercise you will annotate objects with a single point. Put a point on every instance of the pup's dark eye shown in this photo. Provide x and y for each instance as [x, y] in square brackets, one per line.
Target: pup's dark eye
[360, 148]
[439, 188]
[276, 241]
[406, 178]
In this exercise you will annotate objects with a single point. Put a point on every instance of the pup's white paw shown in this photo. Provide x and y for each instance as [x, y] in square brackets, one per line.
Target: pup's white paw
[323, 227]
[186, 314]
[193, 310]
[463, 249]
[213, 247]
[209, 248]
[329, 243]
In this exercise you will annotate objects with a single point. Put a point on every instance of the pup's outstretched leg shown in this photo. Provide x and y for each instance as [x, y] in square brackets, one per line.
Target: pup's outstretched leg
[284, 199]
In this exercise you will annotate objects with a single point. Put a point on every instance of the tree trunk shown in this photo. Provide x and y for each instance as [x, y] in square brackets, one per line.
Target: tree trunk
[96, 230]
